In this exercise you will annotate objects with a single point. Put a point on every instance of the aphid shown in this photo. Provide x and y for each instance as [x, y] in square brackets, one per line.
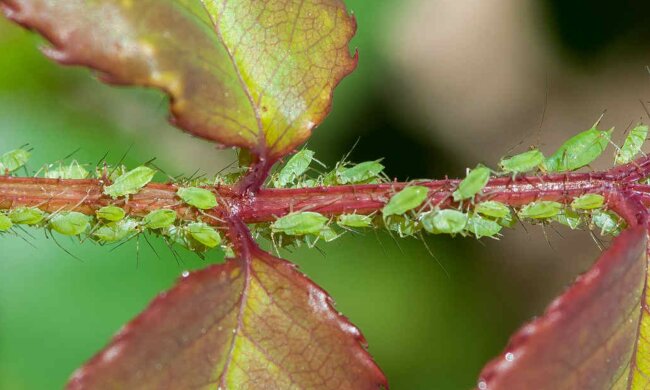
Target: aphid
[198, 197]
[405, 227]
[444, 221]
[522, 163]
[72, 171]
[26, 216]
[5, 223]
[569, 218]
[405, 200]
[473, 183]
[540, 210]
[608, 222]
[111, 213]
[483, 227]
[14, 159]
[69, 223]
[159, 219]
[579, 151]
[115, 231]
[588, 202]
[295, 168]
[354, 220]
[493, 209]
[130, 182]
[632, 145]
[328, 234]
[204, 234]
[300, 223]
[110, 173]
[364, 172]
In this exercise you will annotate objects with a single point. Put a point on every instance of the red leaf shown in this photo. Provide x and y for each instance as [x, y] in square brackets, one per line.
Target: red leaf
[255, 323]
[257, 74]
[587, 339]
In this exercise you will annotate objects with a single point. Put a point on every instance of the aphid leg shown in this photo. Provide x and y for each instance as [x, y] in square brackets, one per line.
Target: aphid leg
[65, 250]
[428, 248]
[547, 239]
[151, 246]
[120, 161]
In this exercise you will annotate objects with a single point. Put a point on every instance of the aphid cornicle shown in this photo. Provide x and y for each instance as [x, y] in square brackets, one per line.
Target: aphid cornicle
[354, 220]
[111, 213]
[632, 145]
[444, 221]
[130, 182]
[198, 197]
[294, 168]
[14, 159]
[204, 234]
[26, 216]
[406, 200]
[588, 202]
[523, 162]
[5, 223]
[540, 210]
[300, 223]
[473, 183]
[69, 223]
[159, 219]
[579, 151]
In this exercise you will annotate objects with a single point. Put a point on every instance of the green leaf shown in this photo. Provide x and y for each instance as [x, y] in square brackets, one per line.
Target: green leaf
[595, 336]
[251, 323]
[257, 74]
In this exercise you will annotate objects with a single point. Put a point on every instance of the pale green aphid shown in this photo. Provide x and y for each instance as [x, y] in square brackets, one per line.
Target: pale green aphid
[198, 197]
[14, 159]
[69, 223]
[328, 234]
[130, 182]
[5, 223]
[588, 202]
[111, 213]
[204, 234]
[522, 163]
[540, 210]
[159, 219]
[444, 221]
[569, 218]
[404, 226]
[295, 168]
[300, 223]
[492, 208]
[473, 183]
[483, 227]
[632, 145]
[72, 171]
[405, 200]
[354, 220]
[579, 151]
[26, 216]
[115, 231]
[360, 173]
[608, 222]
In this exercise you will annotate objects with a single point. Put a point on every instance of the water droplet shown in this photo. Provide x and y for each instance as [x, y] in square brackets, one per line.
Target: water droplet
[186, 274]
[510, 356]
[482, 385]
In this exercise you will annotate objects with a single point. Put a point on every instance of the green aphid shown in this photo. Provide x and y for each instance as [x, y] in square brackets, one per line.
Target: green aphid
[632, 145]
[198, 197]
[588, 202]
[473, 183]
[541, 210]
[364, 172]
[328, 234]
[405, 200]
[130, 183]
[354, 220]
[508, 221]
[405, 227]
[294, 168]
[204, 234]
[492, 208]
[111, 213]
[569, 218]
[522, 163]
[300, 223]
[110, 173]
[578, 151]
[178, 235]
[444, 221]
[72, 171]
[483, 227]
[159, 219]
[5, 223]
[608, 222]
[12, 160]
[116, 231]
[26, 216]
[69, 223]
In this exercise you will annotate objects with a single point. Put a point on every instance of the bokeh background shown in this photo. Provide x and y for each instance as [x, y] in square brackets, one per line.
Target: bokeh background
[441, 85]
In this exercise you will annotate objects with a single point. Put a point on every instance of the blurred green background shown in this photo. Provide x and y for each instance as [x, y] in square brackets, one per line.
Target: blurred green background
[431, 323]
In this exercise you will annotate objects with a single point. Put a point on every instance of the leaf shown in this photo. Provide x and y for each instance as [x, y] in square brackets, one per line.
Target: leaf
[595, 336]
[251, 323]
[257, 74]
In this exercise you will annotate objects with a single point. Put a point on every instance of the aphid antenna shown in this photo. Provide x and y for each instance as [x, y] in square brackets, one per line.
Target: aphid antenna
[428, 248]
[150, 162]
[65, 250]
[102, 160]
[70, 154]
[547, 239]
[23, 238]
[151, 246]
[596, 240]
[121, 160]
[188, 179]
[176, 255]
[347, 155]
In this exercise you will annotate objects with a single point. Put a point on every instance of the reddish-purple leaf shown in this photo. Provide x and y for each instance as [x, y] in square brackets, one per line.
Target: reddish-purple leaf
[255, 323]
[252, 73]
[592, 337]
